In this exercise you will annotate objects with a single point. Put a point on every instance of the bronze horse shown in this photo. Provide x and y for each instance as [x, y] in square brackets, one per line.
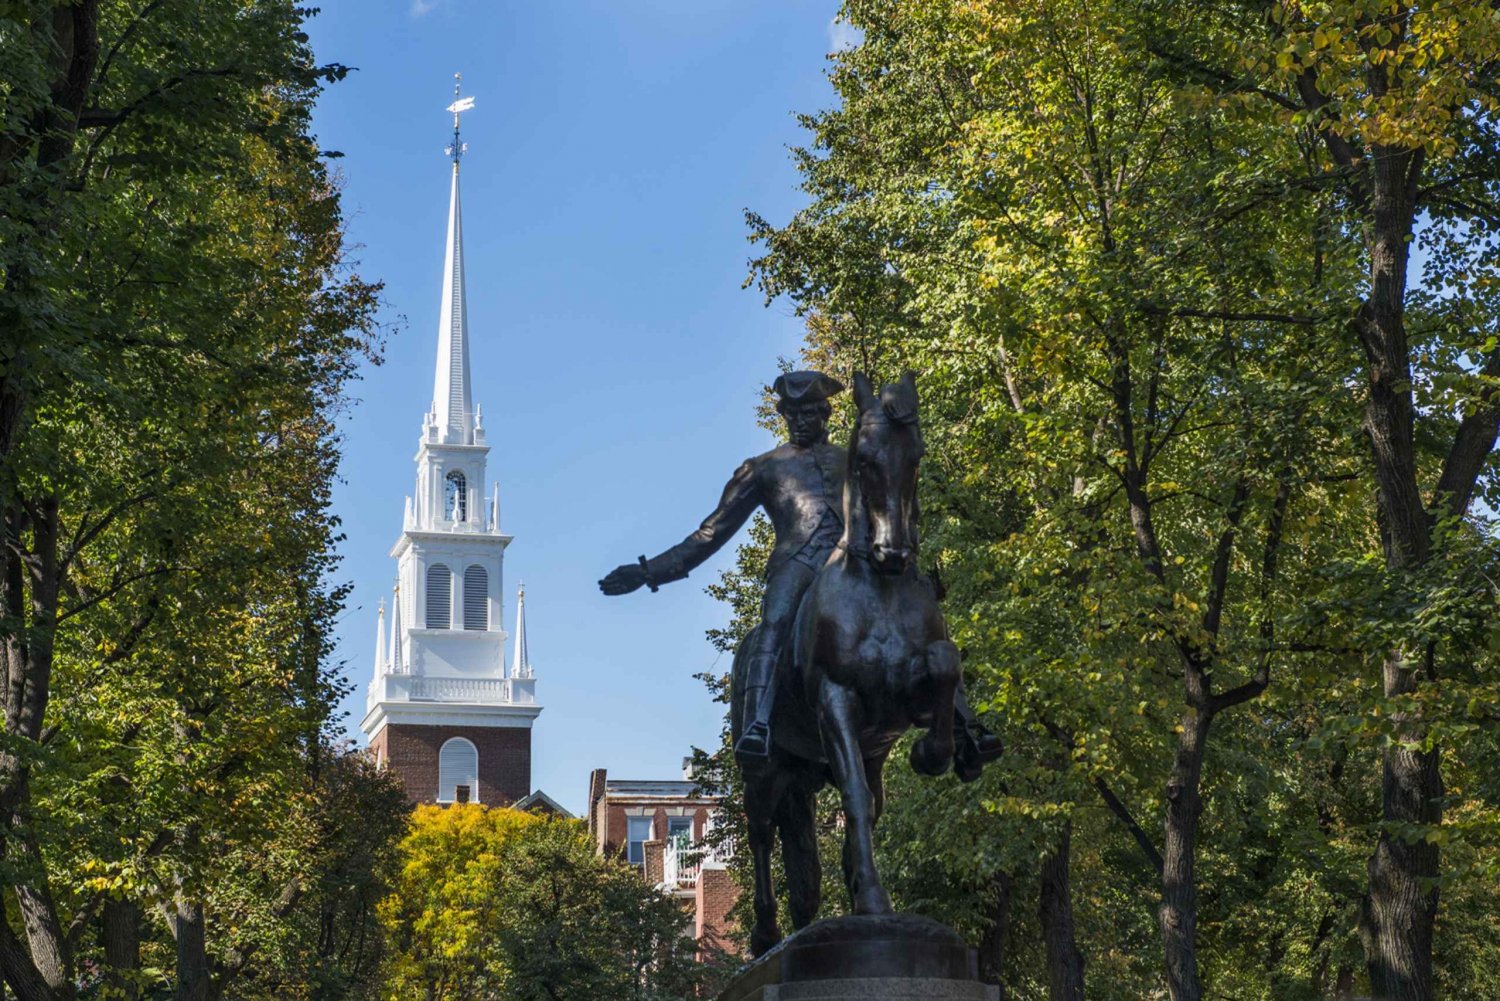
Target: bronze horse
[869, 658]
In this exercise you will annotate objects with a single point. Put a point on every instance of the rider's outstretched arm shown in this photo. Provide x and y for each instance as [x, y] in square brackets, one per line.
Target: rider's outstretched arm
[740, 499]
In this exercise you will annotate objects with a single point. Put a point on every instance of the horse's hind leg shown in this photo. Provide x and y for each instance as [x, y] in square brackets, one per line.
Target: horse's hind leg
[760, 807]
[933, 752]
[838, 719]
[799, 852]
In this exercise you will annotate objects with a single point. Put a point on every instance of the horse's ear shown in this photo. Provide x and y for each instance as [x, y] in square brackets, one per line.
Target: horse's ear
[909, 385]
[864, 392]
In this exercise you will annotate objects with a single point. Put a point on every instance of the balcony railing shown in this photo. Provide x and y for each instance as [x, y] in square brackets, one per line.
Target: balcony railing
[682, 860]
[460, 689]
[482, 691]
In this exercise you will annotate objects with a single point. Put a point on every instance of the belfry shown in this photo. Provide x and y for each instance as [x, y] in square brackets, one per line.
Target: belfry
[443, 712]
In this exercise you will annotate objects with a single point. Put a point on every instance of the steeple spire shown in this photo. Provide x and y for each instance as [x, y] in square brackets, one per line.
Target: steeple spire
[452, 404]
[394, 660]
[521, 664]
[380, 640]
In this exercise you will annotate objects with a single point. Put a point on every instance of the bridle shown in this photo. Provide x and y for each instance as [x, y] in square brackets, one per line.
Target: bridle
[875, 417]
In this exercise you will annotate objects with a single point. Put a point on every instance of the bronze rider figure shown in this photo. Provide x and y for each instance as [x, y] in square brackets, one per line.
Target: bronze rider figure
[800, 484]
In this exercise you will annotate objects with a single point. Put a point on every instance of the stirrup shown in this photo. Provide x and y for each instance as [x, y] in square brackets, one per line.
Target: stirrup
[754, 743]
[974, 752]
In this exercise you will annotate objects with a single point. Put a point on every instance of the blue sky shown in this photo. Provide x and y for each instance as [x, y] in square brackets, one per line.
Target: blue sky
[613, 149]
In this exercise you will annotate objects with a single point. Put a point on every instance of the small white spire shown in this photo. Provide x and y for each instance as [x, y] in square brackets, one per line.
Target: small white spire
[395, 658]
[521, 664]
[380, 640]
[452, 404]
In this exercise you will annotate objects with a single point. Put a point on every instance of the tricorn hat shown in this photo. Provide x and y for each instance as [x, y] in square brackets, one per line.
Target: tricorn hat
[805, 387]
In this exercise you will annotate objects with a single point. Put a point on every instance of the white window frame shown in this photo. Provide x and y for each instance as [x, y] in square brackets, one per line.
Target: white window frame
[635, 849]
[447, 790]
[458, 511]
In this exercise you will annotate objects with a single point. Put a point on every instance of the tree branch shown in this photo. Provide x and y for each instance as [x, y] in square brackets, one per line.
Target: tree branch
[1471, 447]
[1120, 810]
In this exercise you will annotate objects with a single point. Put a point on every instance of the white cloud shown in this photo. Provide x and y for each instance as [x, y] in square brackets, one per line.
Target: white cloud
[842, 35]
[420, 7]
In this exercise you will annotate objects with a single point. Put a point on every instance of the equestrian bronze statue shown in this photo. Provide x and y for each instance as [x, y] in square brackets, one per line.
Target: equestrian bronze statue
[851, 650]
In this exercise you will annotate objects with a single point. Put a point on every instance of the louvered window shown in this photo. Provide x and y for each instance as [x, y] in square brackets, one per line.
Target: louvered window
[439, 597]
[476, 598]
[458, 765]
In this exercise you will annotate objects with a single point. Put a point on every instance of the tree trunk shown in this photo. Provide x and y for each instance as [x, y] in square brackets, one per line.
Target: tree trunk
[1400, 908]
[120, 935]
[1064, 960]
[1178, 913]
[194, 977]
[1343, 984]
[996, 933]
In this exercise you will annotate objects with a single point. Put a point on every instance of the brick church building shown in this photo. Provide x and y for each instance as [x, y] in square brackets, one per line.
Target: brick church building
[444, 711]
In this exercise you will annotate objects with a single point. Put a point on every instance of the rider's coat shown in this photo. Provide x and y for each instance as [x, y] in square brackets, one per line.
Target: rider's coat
[801, 489]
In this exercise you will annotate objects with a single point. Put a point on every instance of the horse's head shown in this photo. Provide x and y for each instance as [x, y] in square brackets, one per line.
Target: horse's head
[883, 455]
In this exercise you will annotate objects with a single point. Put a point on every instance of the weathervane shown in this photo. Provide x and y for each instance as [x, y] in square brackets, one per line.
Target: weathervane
[458, 107]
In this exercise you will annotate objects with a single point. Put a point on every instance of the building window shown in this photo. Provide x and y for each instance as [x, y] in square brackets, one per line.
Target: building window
[456, 497]
[639, 832]
[439, 597]
[476, 598]
[680, 828]
[458, 767]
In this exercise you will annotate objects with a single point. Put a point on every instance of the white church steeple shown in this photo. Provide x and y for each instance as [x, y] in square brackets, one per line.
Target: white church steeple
[452, 403]
[444, 677]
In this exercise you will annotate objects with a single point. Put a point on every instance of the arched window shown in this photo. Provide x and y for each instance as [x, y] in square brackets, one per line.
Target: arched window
[439, 597]
[458, 772]
[476, 598]
[456, 497]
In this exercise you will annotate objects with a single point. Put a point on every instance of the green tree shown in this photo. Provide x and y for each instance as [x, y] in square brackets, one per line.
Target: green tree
[1400, 100]
[180, 324]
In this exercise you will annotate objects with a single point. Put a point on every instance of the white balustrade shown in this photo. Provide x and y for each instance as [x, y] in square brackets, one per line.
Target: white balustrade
[682, 860]
[422, 688]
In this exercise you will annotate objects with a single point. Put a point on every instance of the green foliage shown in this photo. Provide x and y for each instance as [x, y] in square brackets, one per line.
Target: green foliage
[181, 325]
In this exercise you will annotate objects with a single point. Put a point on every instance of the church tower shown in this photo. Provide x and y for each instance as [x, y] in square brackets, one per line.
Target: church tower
[443, 712]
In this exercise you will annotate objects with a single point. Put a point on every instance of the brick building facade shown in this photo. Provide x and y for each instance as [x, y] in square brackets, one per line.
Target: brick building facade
[659, 826]
[411, 753]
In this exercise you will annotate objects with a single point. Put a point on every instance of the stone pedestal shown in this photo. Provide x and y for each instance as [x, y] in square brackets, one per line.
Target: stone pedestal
[893, 957]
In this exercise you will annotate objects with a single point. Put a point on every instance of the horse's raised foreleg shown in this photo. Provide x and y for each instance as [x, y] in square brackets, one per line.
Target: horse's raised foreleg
[838, 720]
[760, 807]
[933, 752]
[799, 852]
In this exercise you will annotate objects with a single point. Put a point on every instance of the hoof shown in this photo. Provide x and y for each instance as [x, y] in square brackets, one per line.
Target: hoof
[872, 901]
[762, 938]
[928, 759]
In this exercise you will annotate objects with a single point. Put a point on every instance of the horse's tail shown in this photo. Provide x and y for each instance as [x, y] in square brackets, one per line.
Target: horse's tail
[795, 820]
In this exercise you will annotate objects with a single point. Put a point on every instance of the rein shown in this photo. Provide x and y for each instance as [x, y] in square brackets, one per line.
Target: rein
[859, 551]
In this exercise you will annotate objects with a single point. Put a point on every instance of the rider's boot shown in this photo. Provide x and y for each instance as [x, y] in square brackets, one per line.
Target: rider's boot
[755, 737]
[976, 744]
